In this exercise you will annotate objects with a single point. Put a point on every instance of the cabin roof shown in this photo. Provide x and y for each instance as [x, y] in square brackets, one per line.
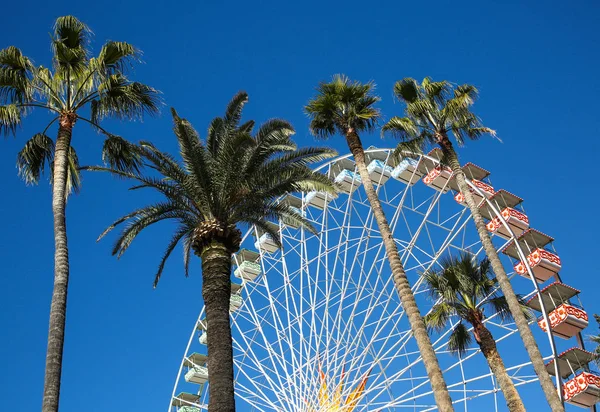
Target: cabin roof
[574, 358]
[529, 240]
[185, 399]
[553, 294]
[195, 359]
[501, 199]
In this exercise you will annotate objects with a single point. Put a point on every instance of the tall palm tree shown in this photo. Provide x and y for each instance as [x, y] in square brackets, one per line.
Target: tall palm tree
[434, 111]
[463, 288]
[348, 108]
[233, 178]
[74, 82]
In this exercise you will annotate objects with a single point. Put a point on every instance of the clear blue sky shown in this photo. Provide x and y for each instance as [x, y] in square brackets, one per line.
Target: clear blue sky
[536, 68]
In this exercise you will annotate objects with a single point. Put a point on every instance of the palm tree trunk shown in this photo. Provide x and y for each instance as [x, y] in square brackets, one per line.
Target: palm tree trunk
[513, 303]
[58, 307]
[488, 348]
[419, 330]
[216, 291]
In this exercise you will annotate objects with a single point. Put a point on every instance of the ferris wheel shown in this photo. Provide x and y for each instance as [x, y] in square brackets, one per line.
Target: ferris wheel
[318, 324]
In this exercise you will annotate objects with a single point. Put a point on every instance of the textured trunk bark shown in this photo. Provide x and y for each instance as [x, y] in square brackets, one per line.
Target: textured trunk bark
[58, 307]
[513, 303]
[216, 291]
[419, 330]
[488, 348]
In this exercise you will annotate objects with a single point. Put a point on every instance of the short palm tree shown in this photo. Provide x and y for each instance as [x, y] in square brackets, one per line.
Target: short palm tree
[75, 82]
[233, 178]
[348, 108]
[464, 288]
[435, 111]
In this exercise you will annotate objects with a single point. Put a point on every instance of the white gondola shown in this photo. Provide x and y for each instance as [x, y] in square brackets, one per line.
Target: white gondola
[347, 181]
[379, 172]
[186, 402]
[407, 171]
[197, 369]
[248, 267]
[583, 387]
[317, 199]
[566, 318]
[265, 241]
[235, 302]
[342, 172]
[516, 220]
[543, 263]
[201, 326]
[485, 189]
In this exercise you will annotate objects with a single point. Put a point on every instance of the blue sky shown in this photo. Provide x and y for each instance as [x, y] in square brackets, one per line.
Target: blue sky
[536, 69]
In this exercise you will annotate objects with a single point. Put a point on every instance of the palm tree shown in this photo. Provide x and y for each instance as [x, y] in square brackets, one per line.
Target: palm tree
[233, 178]
[596, 339]
[74, 82]
[464, 288]
[346, 107]
[434, 110]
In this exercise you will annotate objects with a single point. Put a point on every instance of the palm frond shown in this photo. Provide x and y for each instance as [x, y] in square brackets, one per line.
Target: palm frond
[120, 98]
[33, 158]
[407, 90]
[439, 315]
[402, 128]
[10, 118]
[120, 154]
[460, 339]
[73, 173]
[15, 74]
[117, 56]
[415, 146]
[438, 92]
[180, 234]
[70, 44]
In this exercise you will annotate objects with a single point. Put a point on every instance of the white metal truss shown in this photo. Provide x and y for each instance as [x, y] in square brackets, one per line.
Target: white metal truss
[327, 302]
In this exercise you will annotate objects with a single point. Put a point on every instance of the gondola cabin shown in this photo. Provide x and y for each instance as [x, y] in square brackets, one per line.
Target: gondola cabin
[583, 385]
[500, 201]
[567, 319]
[517, 222]
[544, 265]
[485, 191]
[265, 241]
[407, 171]
[317, 199]
[344, 176]
[185, 402]
[436, 175]
[197, 370]
[379, 172]
[248, 266]
[201, 327]
[379, 165]
[235, 300]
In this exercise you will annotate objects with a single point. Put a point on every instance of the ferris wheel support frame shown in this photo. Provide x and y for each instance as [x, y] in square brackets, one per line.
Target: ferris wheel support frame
[408, 250]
